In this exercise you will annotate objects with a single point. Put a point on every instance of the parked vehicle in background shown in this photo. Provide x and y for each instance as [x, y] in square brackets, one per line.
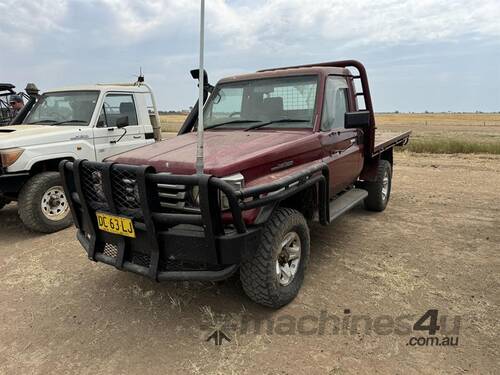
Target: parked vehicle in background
[282, 147]
[6, 93]
[82, 122]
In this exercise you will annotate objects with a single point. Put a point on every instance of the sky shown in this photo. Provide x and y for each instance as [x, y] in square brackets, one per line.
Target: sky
[420, 55]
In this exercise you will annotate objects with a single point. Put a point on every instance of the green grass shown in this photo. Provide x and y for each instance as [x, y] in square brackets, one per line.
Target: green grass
[452, 146]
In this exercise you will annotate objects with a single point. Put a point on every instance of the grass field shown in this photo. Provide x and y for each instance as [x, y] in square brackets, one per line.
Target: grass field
[447, 133]
[171, 123]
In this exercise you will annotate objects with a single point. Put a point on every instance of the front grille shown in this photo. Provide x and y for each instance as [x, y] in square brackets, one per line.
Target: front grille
[178, 198]
[182, 265]
[172, 196]
[92, 187]
[125, 192]
[110, 250]
[144, 260]
[140, 259]
[125, 189]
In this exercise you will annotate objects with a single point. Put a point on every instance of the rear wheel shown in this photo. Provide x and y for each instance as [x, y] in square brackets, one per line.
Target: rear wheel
[379, 191]
[273, 274]
[43, 206]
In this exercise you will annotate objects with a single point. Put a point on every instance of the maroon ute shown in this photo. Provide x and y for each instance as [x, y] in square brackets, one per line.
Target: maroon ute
[283, 147]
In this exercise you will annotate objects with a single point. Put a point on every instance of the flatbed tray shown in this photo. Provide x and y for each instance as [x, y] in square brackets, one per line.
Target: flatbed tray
[386, 140]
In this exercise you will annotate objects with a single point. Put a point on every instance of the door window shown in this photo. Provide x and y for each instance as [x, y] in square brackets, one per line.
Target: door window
[335, 105]
[117, 108]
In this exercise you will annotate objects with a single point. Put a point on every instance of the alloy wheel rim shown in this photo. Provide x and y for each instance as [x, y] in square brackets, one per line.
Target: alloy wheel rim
[288, 260]
[385, 186]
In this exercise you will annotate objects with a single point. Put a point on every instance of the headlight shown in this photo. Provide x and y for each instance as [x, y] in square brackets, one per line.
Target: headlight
[10, 156]
[235, 180]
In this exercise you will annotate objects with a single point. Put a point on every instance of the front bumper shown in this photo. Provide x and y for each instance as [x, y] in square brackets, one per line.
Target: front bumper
[11, 183]
[172, 242]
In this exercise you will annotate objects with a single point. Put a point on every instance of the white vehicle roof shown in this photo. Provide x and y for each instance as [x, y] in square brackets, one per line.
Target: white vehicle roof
[104, 87]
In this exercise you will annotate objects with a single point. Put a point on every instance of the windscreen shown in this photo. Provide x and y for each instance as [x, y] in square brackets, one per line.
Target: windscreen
[64, 108]
[277, 102]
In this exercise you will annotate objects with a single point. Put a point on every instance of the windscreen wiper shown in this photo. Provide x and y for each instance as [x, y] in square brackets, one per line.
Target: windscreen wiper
[230, 122]
[275, 122]
[41, 122]
[69, 122]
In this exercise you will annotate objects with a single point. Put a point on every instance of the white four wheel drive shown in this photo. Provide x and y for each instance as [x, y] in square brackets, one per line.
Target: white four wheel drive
[83, 122]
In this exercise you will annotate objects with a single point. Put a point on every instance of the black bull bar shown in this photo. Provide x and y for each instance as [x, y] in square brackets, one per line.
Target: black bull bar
[172, 242]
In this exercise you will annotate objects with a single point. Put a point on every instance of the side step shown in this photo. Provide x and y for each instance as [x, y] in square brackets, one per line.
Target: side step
[344, 203]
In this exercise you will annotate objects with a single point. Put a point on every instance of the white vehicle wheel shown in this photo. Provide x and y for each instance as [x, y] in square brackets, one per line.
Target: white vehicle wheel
[54, 204]
[43, 206]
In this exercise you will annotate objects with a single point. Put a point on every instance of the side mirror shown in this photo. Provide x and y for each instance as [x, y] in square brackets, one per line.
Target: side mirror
[122, 122]
[360, 119]
[195, 73]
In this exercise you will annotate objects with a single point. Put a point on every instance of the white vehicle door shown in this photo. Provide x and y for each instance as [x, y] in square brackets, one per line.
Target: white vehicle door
[118, 109]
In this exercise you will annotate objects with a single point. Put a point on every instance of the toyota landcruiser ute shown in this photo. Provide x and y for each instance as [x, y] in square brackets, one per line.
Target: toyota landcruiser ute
[283, 147]
[80, 122]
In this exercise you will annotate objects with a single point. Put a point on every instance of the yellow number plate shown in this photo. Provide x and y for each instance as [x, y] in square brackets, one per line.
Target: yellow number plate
[115, 224]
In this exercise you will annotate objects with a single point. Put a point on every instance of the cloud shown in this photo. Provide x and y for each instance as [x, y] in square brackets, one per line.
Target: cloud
[404, 43]
[272, 25]
[284, 23]
[21, 21]
[139, 20]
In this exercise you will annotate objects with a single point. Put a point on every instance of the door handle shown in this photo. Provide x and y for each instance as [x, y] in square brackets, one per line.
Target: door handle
[352, 141]
[137, 137]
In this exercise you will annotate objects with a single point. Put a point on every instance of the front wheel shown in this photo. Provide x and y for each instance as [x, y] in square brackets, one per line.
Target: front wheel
[273, 274]
[3, 202]
[43, 206]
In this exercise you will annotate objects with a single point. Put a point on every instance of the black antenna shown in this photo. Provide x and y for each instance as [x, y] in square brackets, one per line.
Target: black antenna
[141, 76]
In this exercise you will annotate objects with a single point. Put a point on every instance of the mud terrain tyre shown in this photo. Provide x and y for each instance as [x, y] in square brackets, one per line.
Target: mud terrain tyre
[42, 204]
[379, 191]
[3, 202]
[273, 274]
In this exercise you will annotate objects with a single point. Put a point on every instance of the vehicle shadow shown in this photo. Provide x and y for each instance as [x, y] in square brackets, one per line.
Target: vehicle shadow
[11, 226]
[208, 304]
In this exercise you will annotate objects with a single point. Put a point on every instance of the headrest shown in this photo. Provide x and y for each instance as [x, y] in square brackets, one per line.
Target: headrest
[273, 107]
[126, 108]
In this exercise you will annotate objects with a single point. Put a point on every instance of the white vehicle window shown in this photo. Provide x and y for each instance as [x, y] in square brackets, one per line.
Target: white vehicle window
[117, 108]
[335, 105]
[64, 108]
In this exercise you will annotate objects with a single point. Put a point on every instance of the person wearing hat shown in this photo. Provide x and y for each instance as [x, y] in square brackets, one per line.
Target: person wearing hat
[16, 104]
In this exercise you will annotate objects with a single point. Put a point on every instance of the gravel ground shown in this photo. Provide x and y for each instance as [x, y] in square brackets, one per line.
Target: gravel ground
[435, 247]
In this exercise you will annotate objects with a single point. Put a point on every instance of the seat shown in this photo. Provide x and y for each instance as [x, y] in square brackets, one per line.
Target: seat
[82, 110]
[272, 108]
[128, 109]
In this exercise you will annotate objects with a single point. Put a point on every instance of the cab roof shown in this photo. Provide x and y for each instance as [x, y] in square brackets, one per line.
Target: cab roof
[103, 87]
[286, 72]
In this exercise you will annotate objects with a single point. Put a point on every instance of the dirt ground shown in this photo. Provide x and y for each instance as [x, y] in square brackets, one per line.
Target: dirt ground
[435, 247]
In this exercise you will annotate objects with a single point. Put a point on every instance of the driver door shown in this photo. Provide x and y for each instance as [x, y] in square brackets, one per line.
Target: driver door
[110, 140]
[340, 146]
